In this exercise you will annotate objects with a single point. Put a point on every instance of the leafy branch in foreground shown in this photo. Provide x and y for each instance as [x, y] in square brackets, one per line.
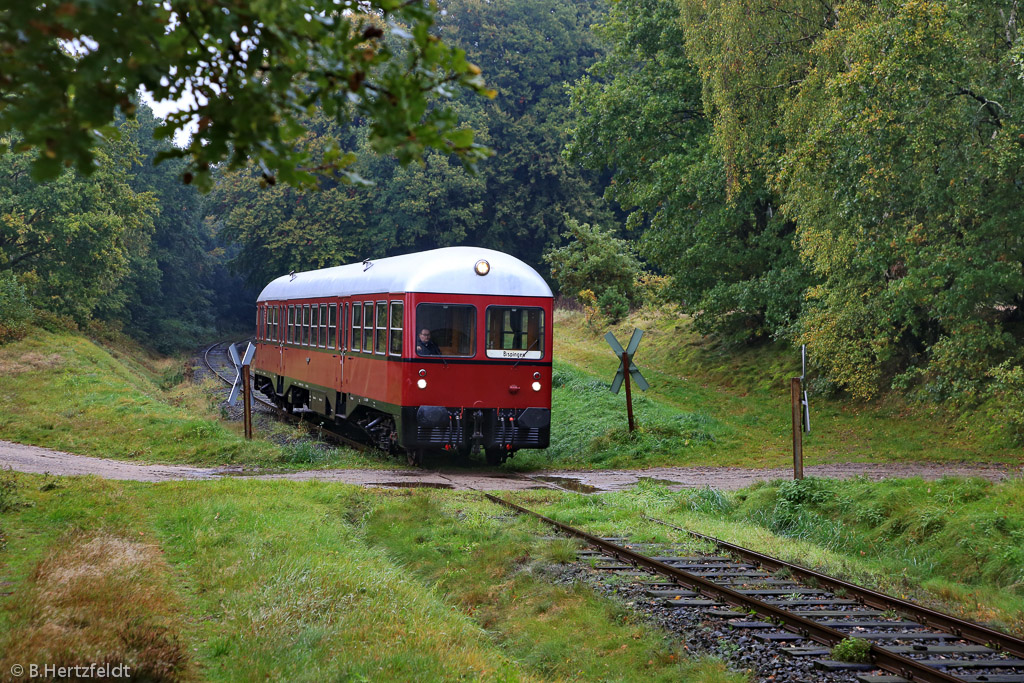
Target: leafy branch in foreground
[254, 71]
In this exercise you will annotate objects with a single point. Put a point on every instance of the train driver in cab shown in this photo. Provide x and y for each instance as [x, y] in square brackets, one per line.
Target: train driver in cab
[425, 346]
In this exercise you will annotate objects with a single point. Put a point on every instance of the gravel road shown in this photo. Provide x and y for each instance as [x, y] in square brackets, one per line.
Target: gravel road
[24, 458]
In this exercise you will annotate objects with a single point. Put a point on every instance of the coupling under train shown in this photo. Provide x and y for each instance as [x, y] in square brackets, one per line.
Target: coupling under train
[448, 349]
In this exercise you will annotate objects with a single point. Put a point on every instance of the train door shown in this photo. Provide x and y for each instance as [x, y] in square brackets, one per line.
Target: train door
[289, 336]
[279, 332]
[342, 339]
[332, 342]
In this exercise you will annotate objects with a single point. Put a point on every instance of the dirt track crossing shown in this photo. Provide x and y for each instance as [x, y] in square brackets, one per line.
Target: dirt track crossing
[24, 458]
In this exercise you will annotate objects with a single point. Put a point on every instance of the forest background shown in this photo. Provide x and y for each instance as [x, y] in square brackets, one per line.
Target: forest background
[846, 175]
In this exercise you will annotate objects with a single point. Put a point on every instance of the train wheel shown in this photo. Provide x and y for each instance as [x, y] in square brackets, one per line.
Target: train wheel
[495, 456]
[414, 456]
[461, 456]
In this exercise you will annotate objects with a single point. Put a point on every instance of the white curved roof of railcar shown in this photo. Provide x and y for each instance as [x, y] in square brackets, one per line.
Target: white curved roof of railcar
[443, 271]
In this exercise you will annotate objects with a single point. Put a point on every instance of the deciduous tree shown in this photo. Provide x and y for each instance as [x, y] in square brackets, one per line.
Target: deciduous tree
[904, 172]
[644, 112]
[70, 241]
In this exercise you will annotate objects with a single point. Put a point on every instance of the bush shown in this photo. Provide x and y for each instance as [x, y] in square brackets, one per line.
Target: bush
[55, 322]
[613, 304]
[596, 260]
[653, 290]
[15, 310]
[1006, 407]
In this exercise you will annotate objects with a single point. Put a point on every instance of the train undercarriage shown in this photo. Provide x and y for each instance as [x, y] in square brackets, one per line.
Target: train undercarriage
[419, 431]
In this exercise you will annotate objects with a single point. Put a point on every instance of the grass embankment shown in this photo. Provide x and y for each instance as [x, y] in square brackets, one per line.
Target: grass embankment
[65, 392]
[239, 580]
[959, 541]
[954, 544]
[710, 406]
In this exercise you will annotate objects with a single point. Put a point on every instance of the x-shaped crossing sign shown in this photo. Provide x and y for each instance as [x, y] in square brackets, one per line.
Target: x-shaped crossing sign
[634, 372]
[249, 351]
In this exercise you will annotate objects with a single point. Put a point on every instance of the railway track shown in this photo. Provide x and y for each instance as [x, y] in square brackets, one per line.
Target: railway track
[805, 613]
[217, 360]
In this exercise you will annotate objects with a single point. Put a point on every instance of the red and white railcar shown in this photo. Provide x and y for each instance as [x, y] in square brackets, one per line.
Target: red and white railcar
[445, 349]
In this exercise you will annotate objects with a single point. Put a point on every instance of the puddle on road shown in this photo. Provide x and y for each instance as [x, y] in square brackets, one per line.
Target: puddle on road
[570, 483]
[410, 485]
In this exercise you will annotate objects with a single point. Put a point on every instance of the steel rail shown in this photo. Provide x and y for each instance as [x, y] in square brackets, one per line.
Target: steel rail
[961, 628]
[209, 365]
[352, 443]
[908, 668]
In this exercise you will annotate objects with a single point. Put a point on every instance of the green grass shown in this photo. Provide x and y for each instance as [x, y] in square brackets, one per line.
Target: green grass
[65, 392]
[710, 405]
[239, 579]
[88, 583]
[245, 580]
[589, 428]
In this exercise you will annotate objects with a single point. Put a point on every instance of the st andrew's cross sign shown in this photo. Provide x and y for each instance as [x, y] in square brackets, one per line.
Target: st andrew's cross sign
[242, 382]
[622, 375]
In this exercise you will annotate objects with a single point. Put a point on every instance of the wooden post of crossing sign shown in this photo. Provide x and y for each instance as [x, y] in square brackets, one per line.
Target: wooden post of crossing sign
[627, 369]
[242, 381]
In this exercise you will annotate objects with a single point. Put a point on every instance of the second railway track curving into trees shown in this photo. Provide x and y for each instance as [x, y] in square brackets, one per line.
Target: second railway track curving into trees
[217, 360]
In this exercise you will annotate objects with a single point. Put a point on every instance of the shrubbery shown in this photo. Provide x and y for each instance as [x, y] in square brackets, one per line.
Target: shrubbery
[1006, 407]
[597, 262]
[15, 310]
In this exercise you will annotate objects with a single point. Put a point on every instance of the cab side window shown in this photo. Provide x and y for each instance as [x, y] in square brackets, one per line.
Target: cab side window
[445, 330]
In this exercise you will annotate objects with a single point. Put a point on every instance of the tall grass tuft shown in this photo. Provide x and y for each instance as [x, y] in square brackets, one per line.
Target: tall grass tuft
[709, 501]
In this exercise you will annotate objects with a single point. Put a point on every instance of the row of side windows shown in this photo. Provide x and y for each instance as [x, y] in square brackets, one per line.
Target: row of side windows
[376, 326]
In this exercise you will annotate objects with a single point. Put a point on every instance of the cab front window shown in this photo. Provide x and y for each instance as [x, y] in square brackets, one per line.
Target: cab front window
[515, 332]
[445, 330]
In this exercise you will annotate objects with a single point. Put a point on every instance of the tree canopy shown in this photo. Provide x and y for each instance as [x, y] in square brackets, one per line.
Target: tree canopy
[255, 70]
[641, 111]
[515, 201]
[904, 173]
[598, 262]
[845, 174]
[72, 240]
